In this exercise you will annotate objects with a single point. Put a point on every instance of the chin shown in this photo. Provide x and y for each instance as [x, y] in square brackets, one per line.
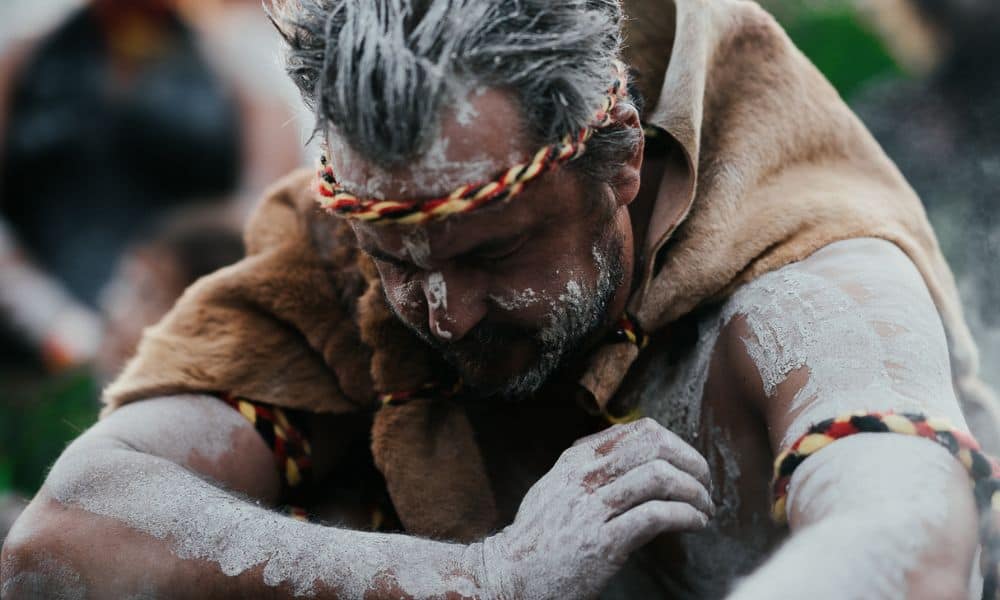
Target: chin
[508, 382]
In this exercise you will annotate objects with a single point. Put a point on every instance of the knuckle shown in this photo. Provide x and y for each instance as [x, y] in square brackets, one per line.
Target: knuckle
[661, 474]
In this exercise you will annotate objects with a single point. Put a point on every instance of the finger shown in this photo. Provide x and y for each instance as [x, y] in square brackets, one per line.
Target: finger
[595, 439]
[656, 480]
[644, 441]
[637, 527]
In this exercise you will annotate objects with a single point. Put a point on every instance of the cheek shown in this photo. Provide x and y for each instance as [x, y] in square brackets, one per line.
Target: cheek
[406, 297]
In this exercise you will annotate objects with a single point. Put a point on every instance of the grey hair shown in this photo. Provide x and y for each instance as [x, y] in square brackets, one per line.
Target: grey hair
[380, 71]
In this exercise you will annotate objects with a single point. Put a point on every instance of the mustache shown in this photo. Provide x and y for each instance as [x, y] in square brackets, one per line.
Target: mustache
[481, 341]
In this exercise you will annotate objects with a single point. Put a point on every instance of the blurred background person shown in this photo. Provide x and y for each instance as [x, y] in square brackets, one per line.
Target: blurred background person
[114, 116]
[151, 275]
[942, 130]
[123, 112]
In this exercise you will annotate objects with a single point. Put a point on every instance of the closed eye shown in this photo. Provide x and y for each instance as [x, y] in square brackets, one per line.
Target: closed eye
[499, 250]
[386, 258]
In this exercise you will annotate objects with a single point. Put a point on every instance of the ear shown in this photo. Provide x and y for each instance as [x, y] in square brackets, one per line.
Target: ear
[625, 183]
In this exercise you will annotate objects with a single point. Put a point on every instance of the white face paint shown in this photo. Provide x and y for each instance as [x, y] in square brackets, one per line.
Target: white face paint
[518, 300]
[417, 246]
[430, 174]
[437, 292]
[441, 333]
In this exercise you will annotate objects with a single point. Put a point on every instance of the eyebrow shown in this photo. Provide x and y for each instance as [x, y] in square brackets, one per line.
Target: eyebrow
[485, 246]
[378, 254]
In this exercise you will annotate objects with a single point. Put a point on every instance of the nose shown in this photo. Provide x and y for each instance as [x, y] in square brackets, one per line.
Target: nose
[455, 305]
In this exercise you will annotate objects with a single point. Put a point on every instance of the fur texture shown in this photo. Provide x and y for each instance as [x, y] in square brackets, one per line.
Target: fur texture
[771, 166]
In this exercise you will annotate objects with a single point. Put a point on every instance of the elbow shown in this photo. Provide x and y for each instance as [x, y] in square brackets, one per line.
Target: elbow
[32, 564]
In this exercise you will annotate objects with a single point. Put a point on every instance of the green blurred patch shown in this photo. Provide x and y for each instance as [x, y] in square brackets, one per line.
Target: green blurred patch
[836, 41]
[39, 416]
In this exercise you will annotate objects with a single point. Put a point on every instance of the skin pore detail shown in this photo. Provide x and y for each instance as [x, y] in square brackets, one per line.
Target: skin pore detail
[48, 577]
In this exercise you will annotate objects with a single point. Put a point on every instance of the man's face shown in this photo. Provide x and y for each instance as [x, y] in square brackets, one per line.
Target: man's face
[508, 292]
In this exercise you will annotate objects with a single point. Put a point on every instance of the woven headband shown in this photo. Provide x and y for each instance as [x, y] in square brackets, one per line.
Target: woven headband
[337, 201]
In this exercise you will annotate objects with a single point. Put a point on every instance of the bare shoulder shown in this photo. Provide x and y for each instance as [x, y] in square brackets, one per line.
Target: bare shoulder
[198, 432]
[852, 327]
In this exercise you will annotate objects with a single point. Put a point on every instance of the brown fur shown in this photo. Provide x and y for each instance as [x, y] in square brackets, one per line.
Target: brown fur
[771, 166]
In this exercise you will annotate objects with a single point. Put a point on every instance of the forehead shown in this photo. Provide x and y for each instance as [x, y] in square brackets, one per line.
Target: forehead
[480, 135]
[553, 197]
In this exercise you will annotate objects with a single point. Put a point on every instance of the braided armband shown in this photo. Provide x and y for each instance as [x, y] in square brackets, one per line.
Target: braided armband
[292, 453]
[984, 470]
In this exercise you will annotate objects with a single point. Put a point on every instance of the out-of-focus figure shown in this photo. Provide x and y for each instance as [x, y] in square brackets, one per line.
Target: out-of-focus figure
[152, 275]
[123, 113]
[943, 133]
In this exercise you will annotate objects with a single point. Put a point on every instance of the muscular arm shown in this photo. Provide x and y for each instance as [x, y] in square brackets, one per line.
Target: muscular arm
[170, 496]
[875, 515]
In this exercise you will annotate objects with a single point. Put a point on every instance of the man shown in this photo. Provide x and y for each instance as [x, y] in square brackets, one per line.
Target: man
[438, 353]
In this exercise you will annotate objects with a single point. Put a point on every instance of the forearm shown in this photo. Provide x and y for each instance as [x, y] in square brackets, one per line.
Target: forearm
[874, 517]
[119, 522]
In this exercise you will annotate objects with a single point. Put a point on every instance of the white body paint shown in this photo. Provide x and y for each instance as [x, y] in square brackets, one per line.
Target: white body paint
[574, 528]
[153, 495]
[858, 317]
[870, 528]
[561, 539]
[50, 578]
[432, 173]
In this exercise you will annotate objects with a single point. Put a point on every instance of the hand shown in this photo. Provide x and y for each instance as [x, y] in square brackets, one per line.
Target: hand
[608, 495]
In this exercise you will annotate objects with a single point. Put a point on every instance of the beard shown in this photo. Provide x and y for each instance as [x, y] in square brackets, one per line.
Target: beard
[574, 317]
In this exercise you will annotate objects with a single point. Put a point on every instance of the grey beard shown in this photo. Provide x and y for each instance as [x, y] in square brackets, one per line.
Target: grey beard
[575, 315]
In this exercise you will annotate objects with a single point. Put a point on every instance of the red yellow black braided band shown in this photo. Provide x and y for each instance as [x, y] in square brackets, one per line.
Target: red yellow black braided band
[292, 453]
[627, 330]
[338, 201]
[984, 470]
